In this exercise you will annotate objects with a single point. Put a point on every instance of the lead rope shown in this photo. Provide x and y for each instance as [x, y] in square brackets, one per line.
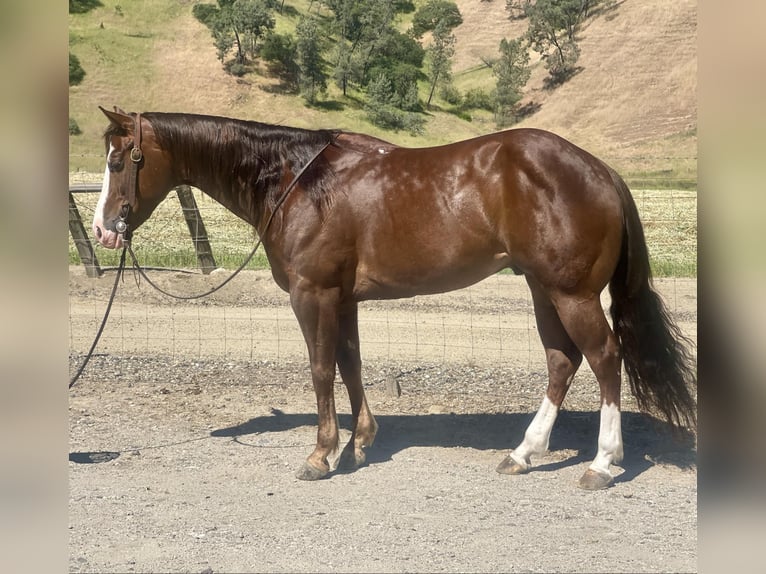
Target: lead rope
[120, 269]
[137, 267]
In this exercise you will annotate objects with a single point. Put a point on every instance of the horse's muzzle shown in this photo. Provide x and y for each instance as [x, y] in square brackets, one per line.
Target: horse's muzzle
[108, 238]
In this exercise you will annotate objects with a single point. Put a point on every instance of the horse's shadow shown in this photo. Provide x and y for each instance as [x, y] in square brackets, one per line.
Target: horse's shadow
[648, 441]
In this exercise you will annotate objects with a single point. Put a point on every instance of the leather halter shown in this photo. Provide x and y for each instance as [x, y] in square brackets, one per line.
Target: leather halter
[136, 157]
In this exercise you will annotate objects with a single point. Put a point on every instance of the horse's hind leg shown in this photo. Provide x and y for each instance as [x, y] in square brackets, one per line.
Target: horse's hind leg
[586, 324]
[563, 358]
[350, 367]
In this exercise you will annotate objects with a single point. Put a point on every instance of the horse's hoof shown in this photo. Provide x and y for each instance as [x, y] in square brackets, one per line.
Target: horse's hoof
[510, 466]
[310, 472]
[593, 480]
[350, 459]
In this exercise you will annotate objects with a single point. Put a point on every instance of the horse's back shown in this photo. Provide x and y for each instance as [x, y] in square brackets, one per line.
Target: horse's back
[439, 218]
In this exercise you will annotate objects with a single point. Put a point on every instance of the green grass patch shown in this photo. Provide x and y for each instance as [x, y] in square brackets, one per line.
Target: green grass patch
[669, 217]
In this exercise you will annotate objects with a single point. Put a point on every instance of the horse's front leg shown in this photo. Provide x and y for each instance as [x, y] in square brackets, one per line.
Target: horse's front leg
[317, 314]
[350, 367]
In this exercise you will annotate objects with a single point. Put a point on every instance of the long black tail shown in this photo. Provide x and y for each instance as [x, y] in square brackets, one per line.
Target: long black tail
[657, 357]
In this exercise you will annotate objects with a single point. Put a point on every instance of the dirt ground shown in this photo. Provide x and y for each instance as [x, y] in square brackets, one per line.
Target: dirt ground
[189, 423]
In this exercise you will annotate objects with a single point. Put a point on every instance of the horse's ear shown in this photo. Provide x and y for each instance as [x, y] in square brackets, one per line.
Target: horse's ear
[118, 117]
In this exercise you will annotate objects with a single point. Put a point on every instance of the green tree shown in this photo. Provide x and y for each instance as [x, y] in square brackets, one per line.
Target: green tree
[512, 72]
[349, 27]
[252, 19]
[553, 25]
[76, 72]
[237, 24]
[440, 53]
[368, 41]
[517, 9]
[440, 17]
[83, 6]
[436, 13]
[478, 99]
[74, 128]
[281, 52]
[382, 111]
[346, 65]
[400, 57]
[312, 78]
[206, 13]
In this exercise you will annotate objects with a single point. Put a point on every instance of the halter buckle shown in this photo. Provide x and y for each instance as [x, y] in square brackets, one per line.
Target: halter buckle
[136, 155]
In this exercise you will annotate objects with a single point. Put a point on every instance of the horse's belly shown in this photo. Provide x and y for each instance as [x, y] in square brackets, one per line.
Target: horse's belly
[395, 282]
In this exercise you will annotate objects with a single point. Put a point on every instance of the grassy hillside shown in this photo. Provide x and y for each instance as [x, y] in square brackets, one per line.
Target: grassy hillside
[633, 103]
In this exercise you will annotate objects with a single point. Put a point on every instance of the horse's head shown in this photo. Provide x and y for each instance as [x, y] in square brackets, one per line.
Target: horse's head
[136, 178]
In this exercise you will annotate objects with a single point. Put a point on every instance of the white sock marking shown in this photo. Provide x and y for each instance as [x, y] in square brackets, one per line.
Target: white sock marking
[538, 433]
[609, 439]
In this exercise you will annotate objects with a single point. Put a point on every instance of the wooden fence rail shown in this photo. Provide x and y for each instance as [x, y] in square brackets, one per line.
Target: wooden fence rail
[191, 214]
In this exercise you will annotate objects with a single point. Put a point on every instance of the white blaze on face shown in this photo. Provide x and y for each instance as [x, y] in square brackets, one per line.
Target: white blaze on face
[109, 239]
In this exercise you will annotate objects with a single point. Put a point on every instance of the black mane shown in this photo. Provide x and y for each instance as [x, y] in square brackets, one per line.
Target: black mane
[251, 154]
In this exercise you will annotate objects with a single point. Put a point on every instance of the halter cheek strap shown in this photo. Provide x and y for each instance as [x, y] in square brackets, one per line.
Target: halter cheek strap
[136, 157]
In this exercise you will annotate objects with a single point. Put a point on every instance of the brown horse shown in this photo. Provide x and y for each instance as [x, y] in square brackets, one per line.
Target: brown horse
[370, 220]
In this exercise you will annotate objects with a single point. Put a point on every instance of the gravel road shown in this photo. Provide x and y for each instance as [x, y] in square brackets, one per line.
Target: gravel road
[188, 425]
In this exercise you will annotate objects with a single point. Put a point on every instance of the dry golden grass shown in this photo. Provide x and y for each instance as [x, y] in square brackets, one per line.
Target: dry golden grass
[478, 37]
[633, 103]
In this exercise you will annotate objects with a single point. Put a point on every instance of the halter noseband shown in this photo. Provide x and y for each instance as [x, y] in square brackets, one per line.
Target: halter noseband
[136, 157]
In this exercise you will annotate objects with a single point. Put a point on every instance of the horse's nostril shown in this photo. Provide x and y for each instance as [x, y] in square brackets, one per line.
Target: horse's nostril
[98, 233]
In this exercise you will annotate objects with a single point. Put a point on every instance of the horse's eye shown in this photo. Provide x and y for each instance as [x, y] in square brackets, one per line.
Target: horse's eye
[115, 164]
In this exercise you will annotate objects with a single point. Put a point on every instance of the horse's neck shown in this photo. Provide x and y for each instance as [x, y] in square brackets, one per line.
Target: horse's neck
[224, 185]
[230, 193]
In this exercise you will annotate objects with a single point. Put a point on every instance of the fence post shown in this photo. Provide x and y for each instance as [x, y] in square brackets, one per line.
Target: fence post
[81, 241]
[196, 229]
